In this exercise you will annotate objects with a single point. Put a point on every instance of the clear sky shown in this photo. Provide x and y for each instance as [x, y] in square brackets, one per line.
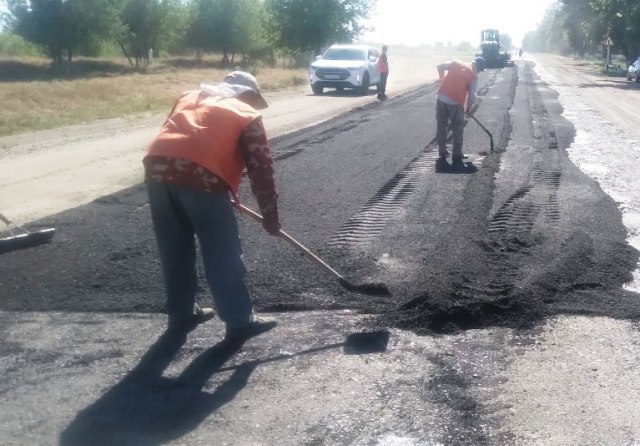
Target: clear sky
[414, 22]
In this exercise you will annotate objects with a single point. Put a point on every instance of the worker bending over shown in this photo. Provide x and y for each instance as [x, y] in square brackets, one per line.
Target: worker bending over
[192, 167]
[456, 94]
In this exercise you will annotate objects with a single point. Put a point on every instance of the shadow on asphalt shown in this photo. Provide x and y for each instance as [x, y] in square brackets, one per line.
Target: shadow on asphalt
[618, 84]
[145, 408]
[456, 167]
[355, 344]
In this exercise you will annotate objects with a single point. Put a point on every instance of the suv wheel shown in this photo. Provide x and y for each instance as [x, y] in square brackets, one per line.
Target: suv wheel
[364, 88]
[317, 90]
[637, 77]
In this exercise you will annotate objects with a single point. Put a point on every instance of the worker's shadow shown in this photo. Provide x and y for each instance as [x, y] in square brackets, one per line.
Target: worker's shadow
[145, 408]
[457, 166]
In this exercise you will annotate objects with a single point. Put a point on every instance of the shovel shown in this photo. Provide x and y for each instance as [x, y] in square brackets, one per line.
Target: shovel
[24, 240]
[376, 289]
[483, 128]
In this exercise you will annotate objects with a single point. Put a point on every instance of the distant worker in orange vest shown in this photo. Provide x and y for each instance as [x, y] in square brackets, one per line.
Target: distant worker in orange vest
[456, 94]
[191, 168]
[383, 68]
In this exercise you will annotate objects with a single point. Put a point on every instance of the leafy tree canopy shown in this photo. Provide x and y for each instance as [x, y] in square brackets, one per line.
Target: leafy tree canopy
[582, 26]
[60, 26]
[302, 25]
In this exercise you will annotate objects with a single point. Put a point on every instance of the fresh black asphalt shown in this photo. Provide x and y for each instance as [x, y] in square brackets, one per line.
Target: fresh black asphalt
[506, 238]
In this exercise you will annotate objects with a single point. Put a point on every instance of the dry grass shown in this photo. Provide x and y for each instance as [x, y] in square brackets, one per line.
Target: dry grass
[104, 92]
[33, 99]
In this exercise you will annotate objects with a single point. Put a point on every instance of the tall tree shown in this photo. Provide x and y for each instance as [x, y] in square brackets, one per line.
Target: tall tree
[250, 35]
[632, 28]
[302, 25]
[60, 26]
[227, 26]
[623, 23]
[551, 34]
[582, 26]
[578, 21]
[199, 31]
[145, 25]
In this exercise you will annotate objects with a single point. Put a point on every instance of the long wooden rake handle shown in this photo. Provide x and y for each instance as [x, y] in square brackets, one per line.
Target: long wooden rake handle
[375, 289]
[245, 210]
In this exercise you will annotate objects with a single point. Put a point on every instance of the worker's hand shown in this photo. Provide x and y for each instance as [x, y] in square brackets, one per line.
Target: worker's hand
[270, 216]
[271, 226]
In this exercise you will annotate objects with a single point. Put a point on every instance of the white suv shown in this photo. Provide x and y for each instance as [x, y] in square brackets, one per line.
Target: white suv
[345, 66]
[634, 71]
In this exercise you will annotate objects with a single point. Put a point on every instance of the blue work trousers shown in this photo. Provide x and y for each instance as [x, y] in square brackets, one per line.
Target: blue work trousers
[179, 216]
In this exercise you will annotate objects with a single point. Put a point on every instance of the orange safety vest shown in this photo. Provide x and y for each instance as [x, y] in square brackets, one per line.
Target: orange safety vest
[457, 81]
[382, 66]
[206, 130]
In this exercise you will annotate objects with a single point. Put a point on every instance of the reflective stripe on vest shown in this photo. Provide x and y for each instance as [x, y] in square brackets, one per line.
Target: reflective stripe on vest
[457, 82]
[206, 130]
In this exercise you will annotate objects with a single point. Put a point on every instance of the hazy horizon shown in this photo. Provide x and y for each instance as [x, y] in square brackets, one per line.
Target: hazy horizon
[418, 22]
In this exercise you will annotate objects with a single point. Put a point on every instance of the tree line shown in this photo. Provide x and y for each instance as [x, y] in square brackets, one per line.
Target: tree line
[586, 26]
[247, 29]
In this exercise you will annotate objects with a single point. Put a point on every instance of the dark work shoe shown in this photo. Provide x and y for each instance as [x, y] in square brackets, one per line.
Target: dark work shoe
[256, 327]
[188, 324]
[459, 157]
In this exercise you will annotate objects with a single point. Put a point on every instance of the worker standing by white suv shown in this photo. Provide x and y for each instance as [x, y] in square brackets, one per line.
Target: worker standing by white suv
[345, 66]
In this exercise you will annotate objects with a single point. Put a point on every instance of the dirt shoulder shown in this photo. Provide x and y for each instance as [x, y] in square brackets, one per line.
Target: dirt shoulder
[615, 97]
[50, 171]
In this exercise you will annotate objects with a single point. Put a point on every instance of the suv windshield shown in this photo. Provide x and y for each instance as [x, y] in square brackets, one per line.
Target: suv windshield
[344, 54]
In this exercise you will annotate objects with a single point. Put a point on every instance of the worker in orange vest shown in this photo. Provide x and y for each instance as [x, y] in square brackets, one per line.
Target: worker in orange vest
[191, 167]
[456, 94]
[382, 66]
